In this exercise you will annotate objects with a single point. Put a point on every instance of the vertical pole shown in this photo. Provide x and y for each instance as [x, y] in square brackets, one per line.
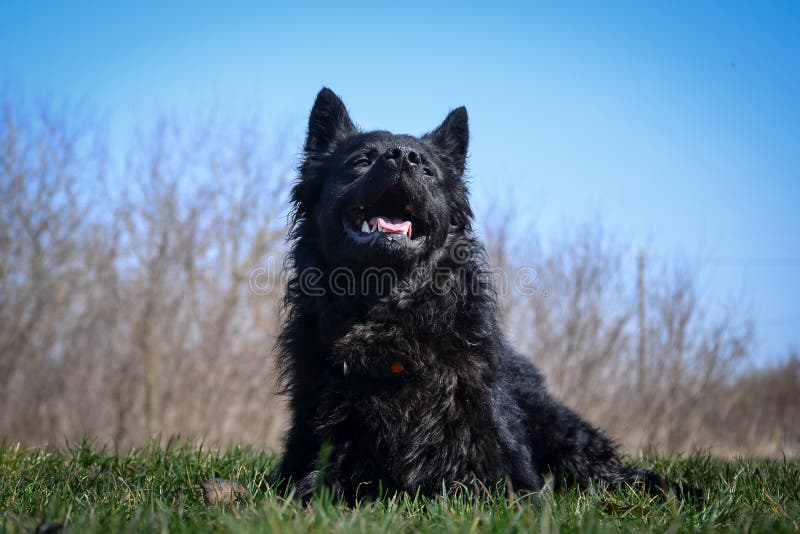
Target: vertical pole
[642, 349]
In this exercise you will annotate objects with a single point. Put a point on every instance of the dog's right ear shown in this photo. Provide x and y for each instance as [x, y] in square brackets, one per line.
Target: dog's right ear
[328, 123]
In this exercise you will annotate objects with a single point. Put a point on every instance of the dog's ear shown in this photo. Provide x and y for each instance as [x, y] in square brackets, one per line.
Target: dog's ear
[328, 123]
[452, 138]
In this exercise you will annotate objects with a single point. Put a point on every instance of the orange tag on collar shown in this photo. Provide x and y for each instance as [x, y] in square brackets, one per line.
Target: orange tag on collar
[396, 368]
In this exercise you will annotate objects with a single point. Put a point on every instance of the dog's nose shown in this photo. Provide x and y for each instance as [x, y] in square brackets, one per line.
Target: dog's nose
[399, 157]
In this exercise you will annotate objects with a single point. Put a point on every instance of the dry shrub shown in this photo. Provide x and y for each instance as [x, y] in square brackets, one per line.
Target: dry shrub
[126, 304]
[692, 385]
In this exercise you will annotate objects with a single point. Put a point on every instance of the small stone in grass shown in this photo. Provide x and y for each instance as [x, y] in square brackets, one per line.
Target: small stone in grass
[222, 491]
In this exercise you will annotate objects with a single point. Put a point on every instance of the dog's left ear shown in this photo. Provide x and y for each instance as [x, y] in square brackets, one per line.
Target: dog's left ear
[329, 122]
[452, 138]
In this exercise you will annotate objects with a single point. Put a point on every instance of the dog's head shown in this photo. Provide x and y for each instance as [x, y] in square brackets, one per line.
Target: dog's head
[376, 198]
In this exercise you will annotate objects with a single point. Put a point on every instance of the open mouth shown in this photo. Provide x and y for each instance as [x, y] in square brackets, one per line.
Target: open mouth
[391, 215]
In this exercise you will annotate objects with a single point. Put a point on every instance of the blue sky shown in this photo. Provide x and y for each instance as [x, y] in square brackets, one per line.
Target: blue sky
[677, 123]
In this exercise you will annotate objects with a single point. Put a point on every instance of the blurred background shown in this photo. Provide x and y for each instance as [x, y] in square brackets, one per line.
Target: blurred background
[643, 159]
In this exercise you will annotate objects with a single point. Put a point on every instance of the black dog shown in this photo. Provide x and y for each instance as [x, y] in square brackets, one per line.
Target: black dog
[391, 354]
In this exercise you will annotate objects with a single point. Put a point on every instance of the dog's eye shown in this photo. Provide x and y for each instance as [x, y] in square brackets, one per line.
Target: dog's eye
[360, 162]
[428, 171]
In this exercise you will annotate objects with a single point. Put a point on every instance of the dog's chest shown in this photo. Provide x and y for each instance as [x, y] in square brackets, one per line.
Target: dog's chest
[416, 434]
[429, 423]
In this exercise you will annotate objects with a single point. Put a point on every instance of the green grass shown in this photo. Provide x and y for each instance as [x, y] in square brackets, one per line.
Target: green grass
[94, 489]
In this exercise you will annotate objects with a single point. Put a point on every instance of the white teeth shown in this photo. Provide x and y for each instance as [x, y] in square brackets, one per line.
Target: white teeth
[365, 227]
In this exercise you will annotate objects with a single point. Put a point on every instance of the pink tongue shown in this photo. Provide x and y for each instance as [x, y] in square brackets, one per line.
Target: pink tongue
[391, 226]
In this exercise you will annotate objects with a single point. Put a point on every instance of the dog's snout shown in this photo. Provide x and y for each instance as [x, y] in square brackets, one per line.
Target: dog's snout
[399, 157]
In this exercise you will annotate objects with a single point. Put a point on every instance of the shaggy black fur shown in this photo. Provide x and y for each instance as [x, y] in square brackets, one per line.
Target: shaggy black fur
[391, 353]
